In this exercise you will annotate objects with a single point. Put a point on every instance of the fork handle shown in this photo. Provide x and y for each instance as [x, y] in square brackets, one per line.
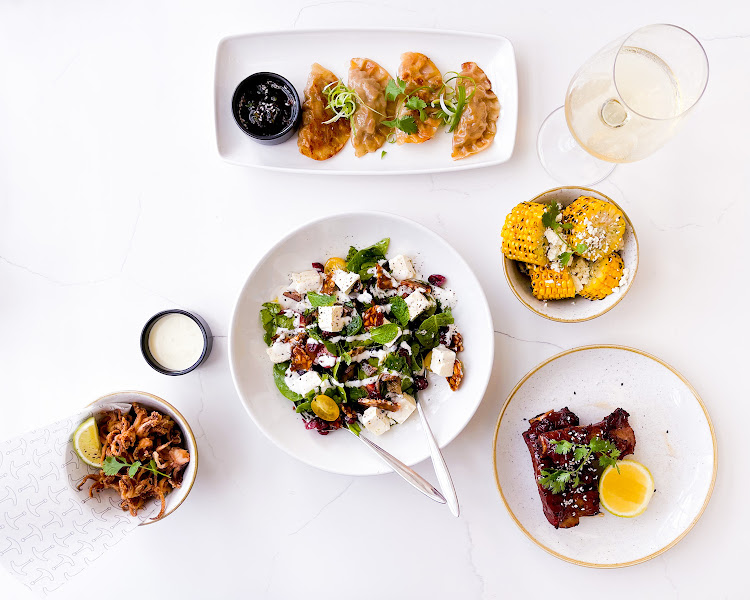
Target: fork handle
[408, 474]
[441, 469]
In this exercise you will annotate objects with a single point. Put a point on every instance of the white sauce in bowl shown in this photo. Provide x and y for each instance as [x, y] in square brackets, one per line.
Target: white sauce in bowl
[176, 342]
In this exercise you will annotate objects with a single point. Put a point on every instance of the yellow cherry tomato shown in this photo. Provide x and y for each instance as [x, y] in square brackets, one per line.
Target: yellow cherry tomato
[325, 407]
[334, 263]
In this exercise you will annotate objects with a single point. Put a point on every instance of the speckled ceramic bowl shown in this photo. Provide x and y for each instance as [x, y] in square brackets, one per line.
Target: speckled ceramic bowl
[177, 496]
[574, 310]
[674, 439]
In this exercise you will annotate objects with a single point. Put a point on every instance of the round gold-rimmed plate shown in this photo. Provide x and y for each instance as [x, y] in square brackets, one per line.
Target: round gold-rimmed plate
[578, 309]
[674, 439]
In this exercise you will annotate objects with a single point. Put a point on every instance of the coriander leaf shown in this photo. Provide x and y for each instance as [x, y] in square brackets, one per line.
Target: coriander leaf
[416, 103]
[279, 373]
[405, 124]
[580, 453]
[321, 299]
[400, 310]
[384, 334]
[564, 258]
[567, 226]
[562, 446]
[601, 445]
[112, 465]
[134, 468]
[394, 89]
[581, 248]
[382, 154]
[549, 217]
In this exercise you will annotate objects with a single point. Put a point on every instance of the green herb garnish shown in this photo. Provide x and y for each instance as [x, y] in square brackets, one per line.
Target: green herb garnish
[370, 254]
[399, 309]
[549, 219]
[342, 101]
[394, 89]
[384, 334]
[321, 299]
[112, 465]
[405, 124]
[556, 480]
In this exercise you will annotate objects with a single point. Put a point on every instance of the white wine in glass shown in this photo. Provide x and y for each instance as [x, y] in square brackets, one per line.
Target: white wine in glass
[625, 103]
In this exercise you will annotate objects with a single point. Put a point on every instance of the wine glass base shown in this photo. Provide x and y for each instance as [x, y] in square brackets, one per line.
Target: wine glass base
[563, 158]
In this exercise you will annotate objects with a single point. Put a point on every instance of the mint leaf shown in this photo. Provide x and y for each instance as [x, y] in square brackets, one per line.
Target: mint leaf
[384, 334]
[372, 253]
[427, 334]
[353, 327]
[321, 299]
[400, 310]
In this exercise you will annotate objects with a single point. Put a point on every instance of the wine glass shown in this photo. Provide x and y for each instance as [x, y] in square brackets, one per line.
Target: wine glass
[623, 104]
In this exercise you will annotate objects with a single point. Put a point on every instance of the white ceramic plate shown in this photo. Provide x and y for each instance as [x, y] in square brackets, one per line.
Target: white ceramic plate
[290, 53]
[178, 495]
[574, 310]
[674, 439]
[340, 452]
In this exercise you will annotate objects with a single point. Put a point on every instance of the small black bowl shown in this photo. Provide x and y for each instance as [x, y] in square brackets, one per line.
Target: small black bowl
[208, 341]
[273, 133]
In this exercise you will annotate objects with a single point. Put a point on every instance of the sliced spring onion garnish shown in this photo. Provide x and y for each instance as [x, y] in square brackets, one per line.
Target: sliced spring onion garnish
[341, 100]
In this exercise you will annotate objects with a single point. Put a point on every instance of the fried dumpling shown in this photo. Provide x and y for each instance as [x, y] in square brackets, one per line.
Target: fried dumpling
[418, 71]
[369, 80]
[317, 139]
[478, 124]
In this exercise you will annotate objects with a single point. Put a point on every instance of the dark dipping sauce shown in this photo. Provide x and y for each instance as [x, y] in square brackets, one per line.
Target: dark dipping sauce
[266, 107]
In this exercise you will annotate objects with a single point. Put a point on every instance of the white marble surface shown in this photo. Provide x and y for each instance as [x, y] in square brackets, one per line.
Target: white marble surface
[114, 205]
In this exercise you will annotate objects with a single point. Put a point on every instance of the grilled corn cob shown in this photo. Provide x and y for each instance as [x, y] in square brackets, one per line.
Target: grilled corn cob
[523, 234]
[549, 284]
[604, 276]
[596, 223]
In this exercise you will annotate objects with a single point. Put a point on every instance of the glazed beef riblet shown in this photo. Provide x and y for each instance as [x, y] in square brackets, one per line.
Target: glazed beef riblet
[552, 504]
[564, 510]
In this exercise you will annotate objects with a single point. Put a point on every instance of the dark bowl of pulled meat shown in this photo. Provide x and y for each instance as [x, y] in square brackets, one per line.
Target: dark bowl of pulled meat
[267, 108]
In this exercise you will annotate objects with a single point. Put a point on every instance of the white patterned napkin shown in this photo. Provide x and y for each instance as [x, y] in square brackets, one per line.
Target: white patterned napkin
[50, 531]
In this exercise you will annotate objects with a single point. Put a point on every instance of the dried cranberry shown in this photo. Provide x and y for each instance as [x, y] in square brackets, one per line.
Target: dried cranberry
[420, 382]
[372, 390]
[318, 267]
[437, 280]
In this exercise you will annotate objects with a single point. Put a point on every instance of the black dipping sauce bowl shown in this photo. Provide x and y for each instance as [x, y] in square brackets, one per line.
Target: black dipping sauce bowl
[267, 108]
[208, 341]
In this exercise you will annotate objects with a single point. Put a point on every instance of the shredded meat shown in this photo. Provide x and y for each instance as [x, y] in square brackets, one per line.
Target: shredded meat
[140, 436]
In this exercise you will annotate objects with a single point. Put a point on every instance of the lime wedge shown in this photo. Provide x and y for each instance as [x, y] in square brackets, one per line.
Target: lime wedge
[86, 443]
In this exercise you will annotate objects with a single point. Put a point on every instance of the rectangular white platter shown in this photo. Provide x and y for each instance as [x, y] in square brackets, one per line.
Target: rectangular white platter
[291, 53]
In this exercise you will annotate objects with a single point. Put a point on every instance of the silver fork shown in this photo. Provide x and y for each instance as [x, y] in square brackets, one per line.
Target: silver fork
[438, 463]
[409, 475]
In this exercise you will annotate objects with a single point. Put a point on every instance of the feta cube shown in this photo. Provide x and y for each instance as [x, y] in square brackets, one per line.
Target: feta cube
[406, 405]
[442, 361]
[416, 302]
[303, 384]
[331, 318]
[279, 352]
[375, 420]
[401, 267]
[307, 281]
[345, 280]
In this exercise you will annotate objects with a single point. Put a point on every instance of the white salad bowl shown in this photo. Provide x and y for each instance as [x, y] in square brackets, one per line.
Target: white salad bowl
[339, 452]
[574, 310]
